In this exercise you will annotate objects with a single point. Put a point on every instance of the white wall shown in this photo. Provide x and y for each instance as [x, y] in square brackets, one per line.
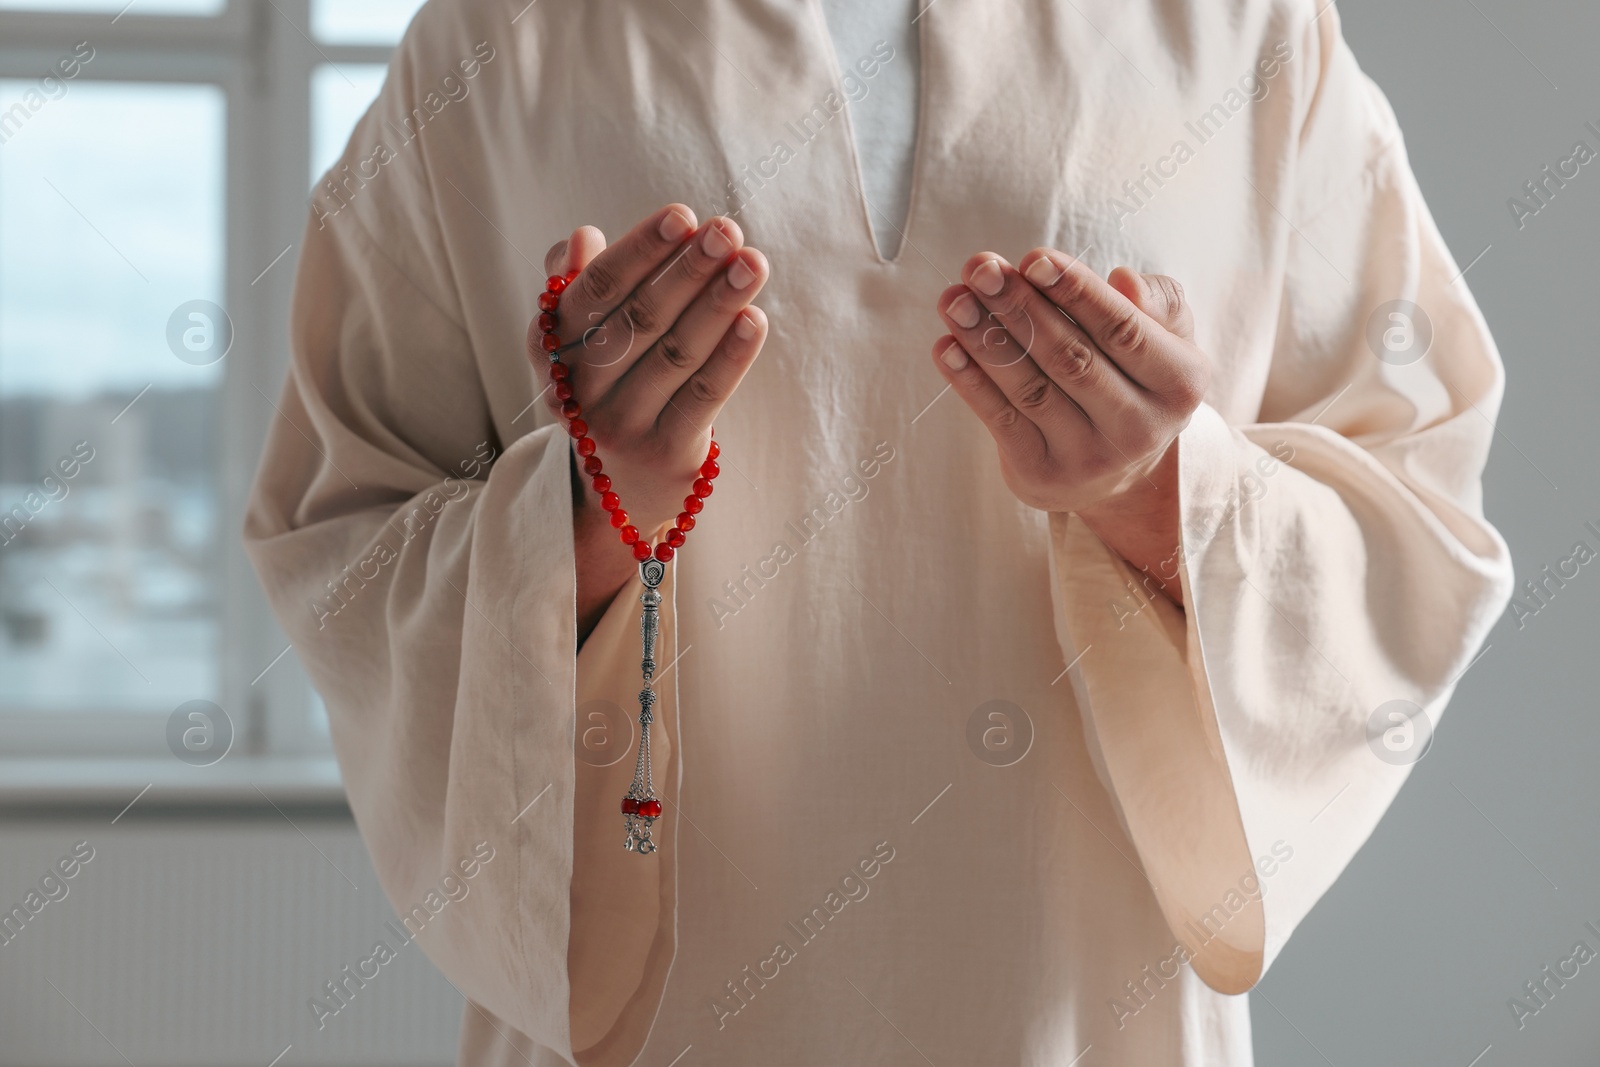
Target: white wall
[198, 940]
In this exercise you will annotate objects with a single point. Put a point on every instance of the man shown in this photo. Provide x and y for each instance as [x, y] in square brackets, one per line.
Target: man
[1015, 726]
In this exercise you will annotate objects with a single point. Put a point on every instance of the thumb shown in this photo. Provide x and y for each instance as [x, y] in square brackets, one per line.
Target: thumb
[575, 252]
[1158, 296]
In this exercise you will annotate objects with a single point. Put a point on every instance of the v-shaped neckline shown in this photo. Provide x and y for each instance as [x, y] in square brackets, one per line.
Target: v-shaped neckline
[919, 140]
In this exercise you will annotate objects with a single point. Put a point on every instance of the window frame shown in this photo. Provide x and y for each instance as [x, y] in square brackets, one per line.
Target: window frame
[261, 56]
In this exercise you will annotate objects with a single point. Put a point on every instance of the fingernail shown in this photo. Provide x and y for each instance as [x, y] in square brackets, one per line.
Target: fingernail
[1043, 272]
[675, 227]
[716, 244]
[744, 327]
[964, 311]
[740, 275]
[988, 278]
[953, 356]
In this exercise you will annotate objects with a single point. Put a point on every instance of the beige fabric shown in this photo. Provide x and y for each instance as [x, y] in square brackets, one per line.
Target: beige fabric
[879, 587]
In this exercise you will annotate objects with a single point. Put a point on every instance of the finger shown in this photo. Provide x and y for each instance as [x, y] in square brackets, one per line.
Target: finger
[575, 252]
[1158, 296]
[684, 348]
[586, 243]
[1060, 349]
[1018, 436]
[1000, 354]
[1118, 328]
[555, 259]
[610, 273]
[702, 396]
[567, 254]
[647, 313]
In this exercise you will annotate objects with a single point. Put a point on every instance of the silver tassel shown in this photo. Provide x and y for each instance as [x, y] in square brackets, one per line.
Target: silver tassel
[641, 808]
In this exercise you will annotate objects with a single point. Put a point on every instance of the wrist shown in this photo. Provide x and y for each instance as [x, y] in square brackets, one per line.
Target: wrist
[602, 564]
[1146, 492]
[1142, 522]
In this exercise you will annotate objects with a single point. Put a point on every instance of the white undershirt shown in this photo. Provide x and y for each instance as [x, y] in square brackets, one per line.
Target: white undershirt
[884, 115]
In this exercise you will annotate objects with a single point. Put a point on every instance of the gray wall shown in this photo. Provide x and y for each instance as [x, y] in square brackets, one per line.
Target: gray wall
[1488, 865]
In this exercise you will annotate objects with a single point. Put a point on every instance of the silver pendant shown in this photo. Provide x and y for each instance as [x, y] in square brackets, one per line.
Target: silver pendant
[641, 808]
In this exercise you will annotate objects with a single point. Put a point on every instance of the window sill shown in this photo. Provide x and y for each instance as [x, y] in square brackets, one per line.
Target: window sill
[241, 783]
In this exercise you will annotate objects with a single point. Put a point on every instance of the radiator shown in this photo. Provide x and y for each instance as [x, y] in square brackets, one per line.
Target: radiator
[200, 941]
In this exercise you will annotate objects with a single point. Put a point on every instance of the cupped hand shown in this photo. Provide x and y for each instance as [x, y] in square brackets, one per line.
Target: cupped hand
[1084, 383]
[657, 331]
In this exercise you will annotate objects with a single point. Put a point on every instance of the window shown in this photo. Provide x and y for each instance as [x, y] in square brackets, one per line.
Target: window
[361, 21]
[110, 529]
[155, 163]
[339, 97]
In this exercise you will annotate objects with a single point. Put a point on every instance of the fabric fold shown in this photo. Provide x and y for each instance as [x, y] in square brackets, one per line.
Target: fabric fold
[1336, 567]
[445, 650]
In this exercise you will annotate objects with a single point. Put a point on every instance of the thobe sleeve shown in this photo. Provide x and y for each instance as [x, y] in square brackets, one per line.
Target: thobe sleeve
[1334, 558]
[423, 569]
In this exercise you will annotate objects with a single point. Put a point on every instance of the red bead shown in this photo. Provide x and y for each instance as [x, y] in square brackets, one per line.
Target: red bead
[610, 501]
[619, 519]
[549, 301]
[630, 806]
[591, 464]
[630, 535]
[559, 371]
[601, 483]
[709, 469]
[555, 283]
[547, 321]
[571, 274]
[675, 537]
[577, 428]
[571, 410]
[685, 521]
[562, 389]
[641, 550]
[650, 809]
[702, 487]
[714, 451]
[549, 342]
[586, 448]
[693, 504]
[664, 552]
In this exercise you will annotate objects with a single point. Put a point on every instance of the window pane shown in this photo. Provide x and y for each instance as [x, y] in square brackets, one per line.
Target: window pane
[339, 97]
[111, 224]
[132, 7]
[361, 21]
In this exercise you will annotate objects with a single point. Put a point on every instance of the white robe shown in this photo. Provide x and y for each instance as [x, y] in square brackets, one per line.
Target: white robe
[1188, 789]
